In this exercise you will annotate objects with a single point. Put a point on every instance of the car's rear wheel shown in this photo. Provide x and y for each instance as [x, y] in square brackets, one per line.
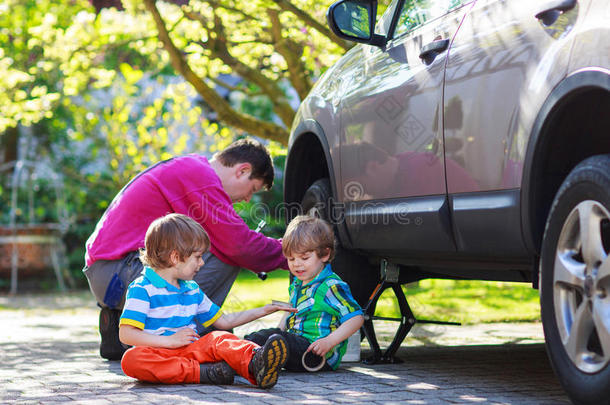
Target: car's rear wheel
[353, 268]
[575, 282]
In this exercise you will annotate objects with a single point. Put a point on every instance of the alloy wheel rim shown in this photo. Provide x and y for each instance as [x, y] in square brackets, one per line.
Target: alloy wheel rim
[581, 283]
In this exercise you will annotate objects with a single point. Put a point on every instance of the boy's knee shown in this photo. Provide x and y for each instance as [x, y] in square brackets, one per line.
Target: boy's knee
[129, 360]
[219, 335]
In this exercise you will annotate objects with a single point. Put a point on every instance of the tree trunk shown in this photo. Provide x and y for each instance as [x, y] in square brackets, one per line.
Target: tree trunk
[9, 144]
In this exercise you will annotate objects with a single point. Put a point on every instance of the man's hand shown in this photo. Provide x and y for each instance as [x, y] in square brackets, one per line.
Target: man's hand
[322, 346]
[183, 337]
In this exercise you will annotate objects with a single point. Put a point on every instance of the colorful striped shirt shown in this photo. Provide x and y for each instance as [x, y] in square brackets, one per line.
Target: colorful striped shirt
[159, 308]
[323, 305]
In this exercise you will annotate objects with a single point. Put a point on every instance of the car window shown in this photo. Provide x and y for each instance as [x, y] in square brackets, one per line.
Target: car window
[417, 12]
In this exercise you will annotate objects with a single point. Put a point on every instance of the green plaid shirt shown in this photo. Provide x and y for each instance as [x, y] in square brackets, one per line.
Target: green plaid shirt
[323, 304]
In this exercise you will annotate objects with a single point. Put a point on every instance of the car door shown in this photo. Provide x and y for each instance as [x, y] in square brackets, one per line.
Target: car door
[392, 164]
[503, 63]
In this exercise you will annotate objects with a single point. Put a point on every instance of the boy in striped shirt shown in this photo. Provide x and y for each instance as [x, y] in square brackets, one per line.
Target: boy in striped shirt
[327, 314]
[163, 306]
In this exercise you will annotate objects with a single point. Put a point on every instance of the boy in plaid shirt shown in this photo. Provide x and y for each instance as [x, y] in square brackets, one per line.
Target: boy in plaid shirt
[327, 314]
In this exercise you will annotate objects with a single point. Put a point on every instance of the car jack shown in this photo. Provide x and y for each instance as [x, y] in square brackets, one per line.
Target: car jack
[390, 279]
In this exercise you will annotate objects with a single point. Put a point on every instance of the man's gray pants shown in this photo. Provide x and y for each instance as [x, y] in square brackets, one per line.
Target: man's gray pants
[215, 278]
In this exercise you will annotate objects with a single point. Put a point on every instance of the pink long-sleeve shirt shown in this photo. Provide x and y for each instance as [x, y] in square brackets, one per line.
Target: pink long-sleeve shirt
[187, 185]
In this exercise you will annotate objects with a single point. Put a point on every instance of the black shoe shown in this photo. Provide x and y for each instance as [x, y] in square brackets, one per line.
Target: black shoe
[111, 347]
[268, 361]
[216, 373]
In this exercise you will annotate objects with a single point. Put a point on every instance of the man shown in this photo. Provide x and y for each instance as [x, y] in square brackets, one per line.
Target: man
[189, 185]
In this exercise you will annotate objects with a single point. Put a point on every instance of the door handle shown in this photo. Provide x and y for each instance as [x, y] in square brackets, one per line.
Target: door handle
[429, 51]
[553, 9]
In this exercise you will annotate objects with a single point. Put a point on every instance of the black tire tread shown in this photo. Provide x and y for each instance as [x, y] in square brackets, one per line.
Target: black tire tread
[590, 179]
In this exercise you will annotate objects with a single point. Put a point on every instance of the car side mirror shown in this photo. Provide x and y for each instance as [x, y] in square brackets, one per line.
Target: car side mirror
[354, 20]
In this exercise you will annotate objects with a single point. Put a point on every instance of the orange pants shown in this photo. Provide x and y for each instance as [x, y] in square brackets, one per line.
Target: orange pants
[181, 365]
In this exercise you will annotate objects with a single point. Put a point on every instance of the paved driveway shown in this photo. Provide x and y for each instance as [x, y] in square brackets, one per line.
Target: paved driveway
[48, 354]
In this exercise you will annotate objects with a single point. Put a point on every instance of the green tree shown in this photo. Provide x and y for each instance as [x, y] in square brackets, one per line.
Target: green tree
[108, 91]
[272, 45]
[29, 81]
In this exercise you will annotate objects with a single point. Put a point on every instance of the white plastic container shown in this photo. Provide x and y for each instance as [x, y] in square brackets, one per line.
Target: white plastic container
[352, 354]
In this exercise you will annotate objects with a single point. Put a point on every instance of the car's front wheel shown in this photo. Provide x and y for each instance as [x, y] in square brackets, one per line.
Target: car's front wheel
[575, 282]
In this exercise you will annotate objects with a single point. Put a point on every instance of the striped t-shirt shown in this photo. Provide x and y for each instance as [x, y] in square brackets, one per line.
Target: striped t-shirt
[159, 308]
[323, 305]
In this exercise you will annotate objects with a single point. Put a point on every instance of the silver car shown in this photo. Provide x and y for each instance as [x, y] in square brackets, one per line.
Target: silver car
[470, 139]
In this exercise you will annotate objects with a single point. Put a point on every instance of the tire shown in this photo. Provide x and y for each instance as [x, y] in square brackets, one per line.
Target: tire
[575, 282]
[353, 268]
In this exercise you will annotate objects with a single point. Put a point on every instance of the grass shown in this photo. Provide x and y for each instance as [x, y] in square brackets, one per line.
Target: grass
[467, 302]
[249, 291]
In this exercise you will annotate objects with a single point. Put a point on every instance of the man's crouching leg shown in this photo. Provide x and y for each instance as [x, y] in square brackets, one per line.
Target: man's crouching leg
[108, 281]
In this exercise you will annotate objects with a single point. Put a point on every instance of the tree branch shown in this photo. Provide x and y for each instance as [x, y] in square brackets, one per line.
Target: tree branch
[217, 45]
[227, 86]
[252, 41]
[217, 4]
[286, 5]
[291, 51]
[225, 112]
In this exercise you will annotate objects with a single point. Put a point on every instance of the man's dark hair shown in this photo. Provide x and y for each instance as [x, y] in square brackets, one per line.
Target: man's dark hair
[249, 151]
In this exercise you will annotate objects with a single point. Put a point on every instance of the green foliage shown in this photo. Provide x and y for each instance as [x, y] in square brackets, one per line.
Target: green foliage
[467, 302]
[28, 79]
[104, 99]
[266, 206]
[36, 202]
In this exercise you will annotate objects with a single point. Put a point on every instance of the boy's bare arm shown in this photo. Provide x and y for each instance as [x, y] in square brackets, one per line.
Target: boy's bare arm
[347, 329]
[230, 321]
[282, 324]
[133, 336]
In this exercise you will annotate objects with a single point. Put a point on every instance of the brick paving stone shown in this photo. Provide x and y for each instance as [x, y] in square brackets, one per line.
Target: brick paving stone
[57, 399]
[382, 388]
[49, 354]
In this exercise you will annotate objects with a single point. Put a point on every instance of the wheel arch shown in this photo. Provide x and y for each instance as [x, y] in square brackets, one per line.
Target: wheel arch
[557, 144]
[308, 160]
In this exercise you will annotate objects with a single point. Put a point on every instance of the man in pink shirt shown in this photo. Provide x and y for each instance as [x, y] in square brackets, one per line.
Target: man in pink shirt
[190, 185]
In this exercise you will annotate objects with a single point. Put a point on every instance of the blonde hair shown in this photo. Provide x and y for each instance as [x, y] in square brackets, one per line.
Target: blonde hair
[173, 232]
[305, 233]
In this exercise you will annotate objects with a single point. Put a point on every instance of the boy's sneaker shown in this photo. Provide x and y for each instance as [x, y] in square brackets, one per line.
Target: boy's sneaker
[216, 373]
[111, 347]
[268, 361]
